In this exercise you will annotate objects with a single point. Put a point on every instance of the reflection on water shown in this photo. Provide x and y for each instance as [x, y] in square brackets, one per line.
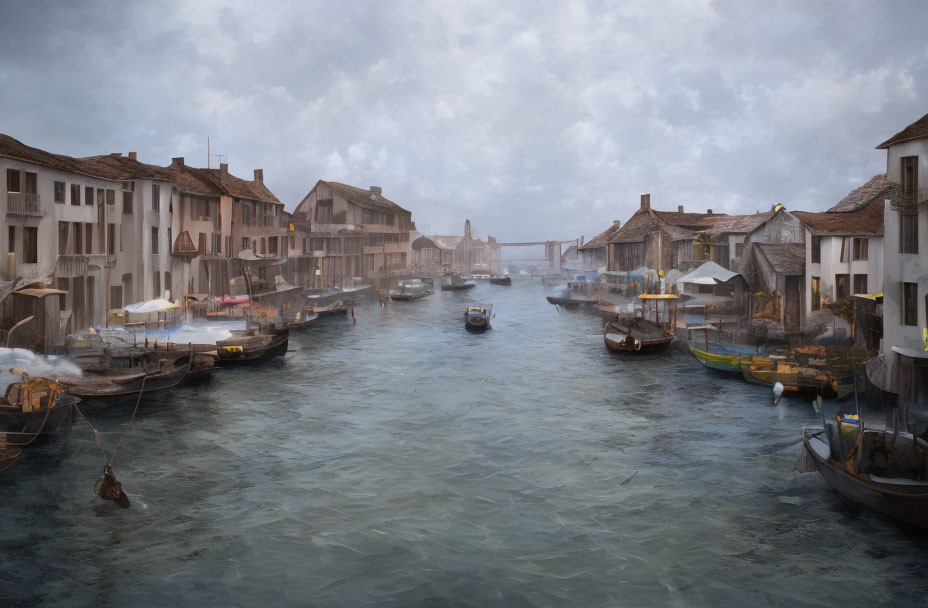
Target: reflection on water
[404, 461]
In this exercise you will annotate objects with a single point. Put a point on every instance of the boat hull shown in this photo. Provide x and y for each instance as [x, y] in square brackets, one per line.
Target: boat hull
[102, 386]
[723, 363]
[902, 502]
[504, 281]
[276, 348]
[408, 297]
[458, 287]
[21, 427]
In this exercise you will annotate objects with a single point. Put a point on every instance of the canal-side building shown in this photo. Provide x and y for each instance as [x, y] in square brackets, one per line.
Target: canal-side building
[354, 235]
[905, 263]
[593, 253]
[844, 246]
[431, 257]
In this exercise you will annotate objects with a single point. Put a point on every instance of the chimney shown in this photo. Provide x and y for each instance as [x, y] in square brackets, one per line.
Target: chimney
[616, 223]
[580, 244]
[376, 190]
[223, 169]
[679, 208]
[133, 156]
[259, 176]
[645, 201]
[708, 211]
[177, 161]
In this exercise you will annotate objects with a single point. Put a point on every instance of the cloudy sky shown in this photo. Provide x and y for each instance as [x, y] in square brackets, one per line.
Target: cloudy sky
[535, 119]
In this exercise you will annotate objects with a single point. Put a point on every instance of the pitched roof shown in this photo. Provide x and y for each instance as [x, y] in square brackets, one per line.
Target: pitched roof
[916, 130]
[365, 198]
[877, 187]
[117, 166]
[786, 258]
[602, 238]
[738, 224]
[868, 220]
[424, 242]
[235, 187]
[639, 225]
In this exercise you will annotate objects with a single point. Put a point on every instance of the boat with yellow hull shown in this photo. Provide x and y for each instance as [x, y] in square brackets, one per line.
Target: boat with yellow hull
[795, 378]
[728, 362]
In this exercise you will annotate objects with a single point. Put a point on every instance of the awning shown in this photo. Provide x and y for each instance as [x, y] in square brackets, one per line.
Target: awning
[910, 352]
[41, 293]
[158, 305]
[708, 273]
[869, 296]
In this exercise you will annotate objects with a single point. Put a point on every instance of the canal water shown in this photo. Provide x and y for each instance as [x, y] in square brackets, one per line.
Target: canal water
[402, 461]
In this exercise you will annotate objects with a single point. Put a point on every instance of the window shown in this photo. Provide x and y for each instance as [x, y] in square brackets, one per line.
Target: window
[390, 219]
[167, 280]
[816, 249]
[170, 241]
[126, 202]
[272, 246]
[11, 239]
[228, 246]
[215, 244]
[30, 245]
[59, 192]
[845, 253]
[156, 284]
[324, 211]
[334, 245]
[860, 283]
[263, 246]
[110, 197]
[739, 250]
[316, 244]
[155, 197]
[32, 183]
[908, 232]
[201, 243]
[78, 241]
[88, 239]
[842, 286]
[63, 237]
[12, 180]
[909, 178]
[860, 248]
[909, 303]
[304, 244]
[101, 194]
[75, 194]
[88, 195]
[816, 293]
[111, 239]
[154, 242]
[245, 243]
[64, 285]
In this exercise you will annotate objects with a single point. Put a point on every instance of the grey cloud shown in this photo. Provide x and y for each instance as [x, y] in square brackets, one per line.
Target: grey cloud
[536, 121]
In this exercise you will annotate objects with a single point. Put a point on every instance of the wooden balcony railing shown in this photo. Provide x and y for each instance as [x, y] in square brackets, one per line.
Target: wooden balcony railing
[18, 203]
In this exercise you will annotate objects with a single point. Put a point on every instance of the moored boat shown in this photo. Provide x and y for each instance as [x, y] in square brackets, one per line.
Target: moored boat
[411, 289]
[33, 408]
[636, 336]
[770, 369]
[131, 372]
[505, 281]
[251, 346]
[884, 471]
[457, 283]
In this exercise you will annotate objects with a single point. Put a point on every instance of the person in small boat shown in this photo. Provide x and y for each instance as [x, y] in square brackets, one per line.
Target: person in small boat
[108, 488]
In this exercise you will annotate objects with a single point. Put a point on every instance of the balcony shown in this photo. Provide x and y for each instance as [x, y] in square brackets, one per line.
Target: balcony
[71, 265]
[18, 203]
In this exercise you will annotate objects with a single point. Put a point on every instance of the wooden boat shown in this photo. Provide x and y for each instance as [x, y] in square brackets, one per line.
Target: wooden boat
[719, 361]
[885, 471]
[302, 320]
[504, 281]
[32, 408]
[636, 336]
[411, 289]
[770, 369]
[333, 308]
[252, 346]
[8, 455]
[130, 372]
[457, 283]
[201, 367]
[477, 318]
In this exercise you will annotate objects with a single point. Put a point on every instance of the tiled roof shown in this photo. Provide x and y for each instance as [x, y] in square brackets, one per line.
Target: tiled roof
[868, 220]
[235, 187]
[877, 187]
[786, 258]
[601, 239]
[365, 198]
[638, 226]
[916, 130]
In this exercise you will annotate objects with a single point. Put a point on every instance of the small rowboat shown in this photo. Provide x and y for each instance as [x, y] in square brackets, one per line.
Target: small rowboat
[638, 337]
[477, 319]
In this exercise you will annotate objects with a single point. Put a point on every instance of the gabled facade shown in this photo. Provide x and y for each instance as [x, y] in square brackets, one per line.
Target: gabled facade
[592, 254]
[354, 235]
[905, 268]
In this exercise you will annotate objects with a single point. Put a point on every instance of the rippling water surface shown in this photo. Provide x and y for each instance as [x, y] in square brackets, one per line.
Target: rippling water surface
[402, 461]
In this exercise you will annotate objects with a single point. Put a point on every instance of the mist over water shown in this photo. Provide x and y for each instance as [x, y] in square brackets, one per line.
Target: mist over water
[403, 461]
